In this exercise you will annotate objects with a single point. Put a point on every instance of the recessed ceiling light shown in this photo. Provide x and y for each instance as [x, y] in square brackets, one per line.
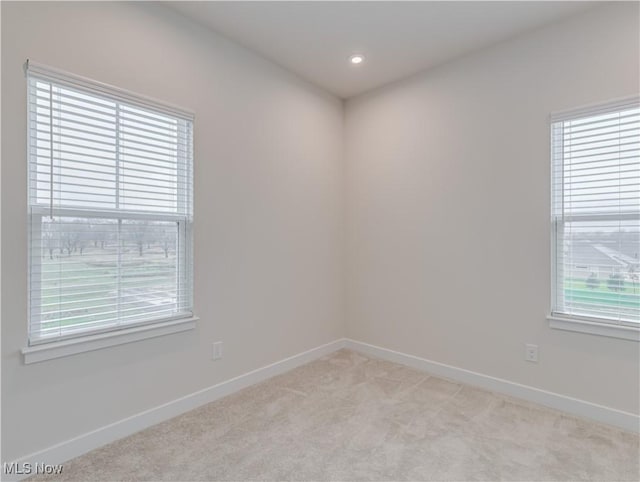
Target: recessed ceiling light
[356, 59]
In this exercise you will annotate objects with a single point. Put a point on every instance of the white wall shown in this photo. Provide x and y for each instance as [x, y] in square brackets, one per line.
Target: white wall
[268, 204]
[448, 208]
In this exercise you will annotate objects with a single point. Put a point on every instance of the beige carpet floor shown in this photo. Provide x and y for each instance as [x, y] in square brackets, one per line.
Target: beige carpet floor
[349, 417]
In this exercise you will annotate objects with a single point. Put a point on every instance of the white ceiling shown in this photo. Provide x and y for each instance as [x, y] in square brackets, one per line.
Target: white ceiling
[315, 39]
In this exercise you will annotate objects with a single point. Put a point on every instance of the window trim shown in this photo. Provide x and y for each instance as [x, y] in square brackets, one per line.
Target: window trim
[593, 327]
[97, 341]
[579, 323]
[45, 348]
[107, 90]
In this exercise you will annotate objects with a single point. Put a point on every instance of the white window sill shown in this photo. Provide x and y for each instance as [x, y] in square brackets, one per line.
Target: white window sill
[594, 328]
[57, 349]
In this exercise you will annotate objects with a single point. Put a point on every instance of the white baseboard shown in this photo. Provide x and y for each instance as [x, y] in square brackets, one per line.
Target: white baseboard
[573, 406]
[82, 444]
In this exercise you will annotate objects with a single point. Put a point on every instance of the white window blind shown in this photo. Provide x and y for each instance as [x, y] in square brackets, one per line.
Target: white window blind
[110, 208]
[596, 213]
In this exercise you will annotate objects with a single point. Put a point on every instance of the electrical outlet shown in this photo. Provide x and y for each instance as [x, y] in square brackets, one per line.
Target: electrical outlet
[217, 351]
[531, 353]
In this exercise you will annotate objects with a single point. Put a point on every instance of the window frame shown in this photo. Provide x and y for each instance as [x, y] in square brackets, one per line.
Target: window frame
[594, 325]
[42, 347]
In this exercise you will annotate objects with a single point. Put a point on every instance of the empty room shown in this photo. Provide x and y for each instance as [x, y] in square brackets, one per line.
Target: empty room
[320, 241]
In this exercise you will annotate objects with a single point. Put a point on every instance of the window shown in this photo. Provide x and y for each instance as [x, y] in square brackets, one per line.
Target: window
[110, 208]
[596, 214]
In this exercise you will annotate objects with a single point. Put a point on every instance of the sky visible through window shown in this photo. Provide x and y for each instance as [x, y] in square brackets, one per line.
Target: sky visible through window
[105, 154]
